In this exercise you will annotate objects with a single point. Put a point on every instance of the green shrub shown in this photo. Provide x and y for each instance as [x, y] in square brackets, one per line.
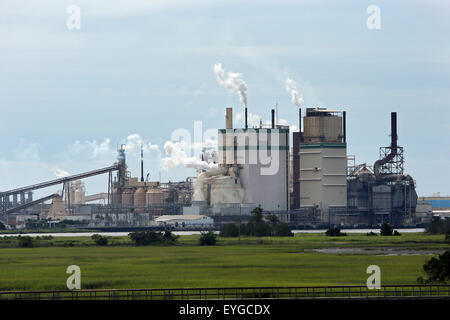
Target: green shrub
[229, 230]
[437, 269]
[100, 240]
[438, 226]
[335, 232]
[208, 239]
[169, 237]
[264, 225]
[143, 238]
[371, 233]
[25, 242]
[259, 229]
[282, 230]
[386, 229]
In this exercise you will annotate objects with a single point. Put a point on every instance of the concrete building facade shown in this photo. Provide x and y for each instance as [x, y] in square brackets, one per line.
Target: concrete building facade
[323, 161]
[262, 156]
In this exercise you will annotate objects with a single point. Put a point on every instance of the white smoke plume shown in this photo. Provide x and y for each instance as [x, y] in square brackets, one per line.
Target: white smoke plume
[232, 81]
[134, 142]
[176, 156]
[104, 150]
[291, 88]
[253, 119]
[59, 173]
[205, 145]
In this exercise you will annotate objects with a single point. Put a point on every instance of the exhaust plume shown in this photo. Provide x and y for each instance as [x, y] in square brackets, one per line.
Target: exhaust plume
[59, 173]
[232, 81]
[177, 156]
[291, 88]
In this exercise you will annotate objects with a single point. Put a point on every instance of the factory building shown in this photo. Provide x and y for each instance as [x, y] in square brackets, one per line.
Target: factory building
[323, 162]
[134, 195]
[253, 170]
[383, 192]
[314, 185]
[182, 221]
[262, 156]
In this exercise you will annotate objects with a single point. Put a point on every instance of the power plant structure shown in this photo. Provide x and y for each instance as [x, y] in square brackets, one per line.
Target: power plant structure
[253, 171]
[128, 202]
[323, 189]
[310, 183]
[322, 158]
[384, 194]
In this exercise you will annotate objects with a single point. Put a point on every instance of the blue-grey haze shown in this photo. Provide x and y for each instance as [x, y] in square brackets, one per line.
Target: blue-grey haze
[146, 67]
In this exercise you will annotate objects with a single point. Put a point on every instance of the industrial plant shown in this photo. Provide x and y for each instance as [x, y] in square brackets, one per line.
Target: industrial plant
[309, 183]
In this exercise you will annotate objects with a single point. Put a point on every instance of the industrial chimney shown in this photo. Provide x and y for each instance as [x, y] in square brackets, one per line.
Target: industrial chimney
[246, 124]
[273, 118]
[142, 162]
[393, 153]
[229, 118]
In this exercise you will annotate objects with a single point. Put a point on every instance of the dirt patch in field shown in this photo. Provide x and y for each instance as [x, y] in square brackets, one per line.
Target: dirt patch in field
[392, 251]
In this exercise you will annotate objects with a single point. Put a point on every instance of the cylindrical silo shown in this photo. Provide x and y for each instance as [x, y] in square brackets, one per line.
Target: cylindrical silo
[127, 198]
[154, 196]
[139, 200]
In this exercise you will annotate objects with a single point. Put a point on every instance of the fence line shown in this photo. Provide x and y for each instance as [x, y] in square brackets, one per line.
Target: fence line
[238, 293]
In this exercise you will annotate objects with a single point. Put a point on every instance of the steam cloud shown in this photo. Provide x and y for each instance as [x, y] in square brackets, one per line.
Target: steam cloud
[177, 156]
[254, 120]
[104, 150]
[291, 88]
[59, 173]
[232, 81]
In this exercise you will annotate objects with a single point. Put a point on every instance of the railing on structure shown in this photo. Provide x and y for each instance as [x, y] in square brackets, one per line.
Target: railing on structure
[239, 293]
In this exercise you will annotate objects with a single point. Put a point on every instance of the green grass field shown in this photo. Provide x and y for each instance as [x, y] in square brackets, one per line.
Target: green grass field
[252, 262]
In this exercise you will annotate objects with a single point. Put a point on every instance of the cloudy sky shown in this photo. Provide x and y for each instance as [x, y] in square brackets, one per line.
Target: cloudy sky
[137, 70]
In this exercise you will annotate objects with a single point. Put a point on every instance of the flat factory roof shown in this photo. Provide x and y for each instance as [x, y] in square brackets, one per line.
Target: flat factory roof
[180, 217]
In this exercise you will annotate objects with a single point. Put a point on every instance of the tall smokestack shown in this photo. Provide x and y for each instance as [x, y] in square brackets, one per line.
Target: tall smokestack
[394, 129]
[344, 127]
[246, 123]
[229, 118]
[296, 170]
[273, 118]
[388, 158]
[299, 119]
[142, 162]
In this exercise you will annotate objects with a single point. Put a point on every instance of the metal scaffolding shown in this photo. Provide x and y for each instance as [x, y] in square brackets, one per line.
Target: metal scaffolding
[395, 166]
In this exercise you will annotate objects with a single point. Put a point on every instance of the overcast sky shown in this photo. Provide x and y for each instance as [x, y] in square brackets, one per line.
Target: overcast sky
[137, 70]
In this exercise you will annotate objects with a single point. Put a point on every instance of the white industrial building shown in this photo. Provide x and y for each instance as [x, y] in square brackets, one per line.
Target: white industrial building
[323, 161]
[253, 170]
[196, 221]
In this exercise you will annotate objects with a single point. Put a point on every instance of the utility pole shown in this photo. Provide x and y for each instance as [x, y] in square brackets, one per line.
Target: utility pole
[239, 223]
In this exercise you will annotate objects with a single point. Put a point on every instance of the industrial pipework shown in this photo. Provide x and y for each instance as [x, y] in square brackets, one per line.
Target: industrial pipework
[393, 153]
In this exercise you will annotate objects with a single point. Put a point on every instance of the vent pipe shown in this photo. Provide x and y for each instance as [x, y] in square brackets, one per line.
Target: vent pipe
[390, 156]
[246, 123]
[142, 162]
[394, 131]
[273, 118]
[344, 127]
[299, 119]
[229, 118]
[296, 170]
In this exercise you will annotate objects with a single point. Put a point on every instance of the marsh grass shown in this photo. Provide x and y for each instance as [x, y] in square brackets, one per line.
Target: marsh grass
[274, 262]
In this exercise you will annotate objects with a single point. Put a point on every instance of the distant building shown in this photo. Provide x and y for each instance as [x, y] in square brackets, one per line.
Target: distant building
[180, 221]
